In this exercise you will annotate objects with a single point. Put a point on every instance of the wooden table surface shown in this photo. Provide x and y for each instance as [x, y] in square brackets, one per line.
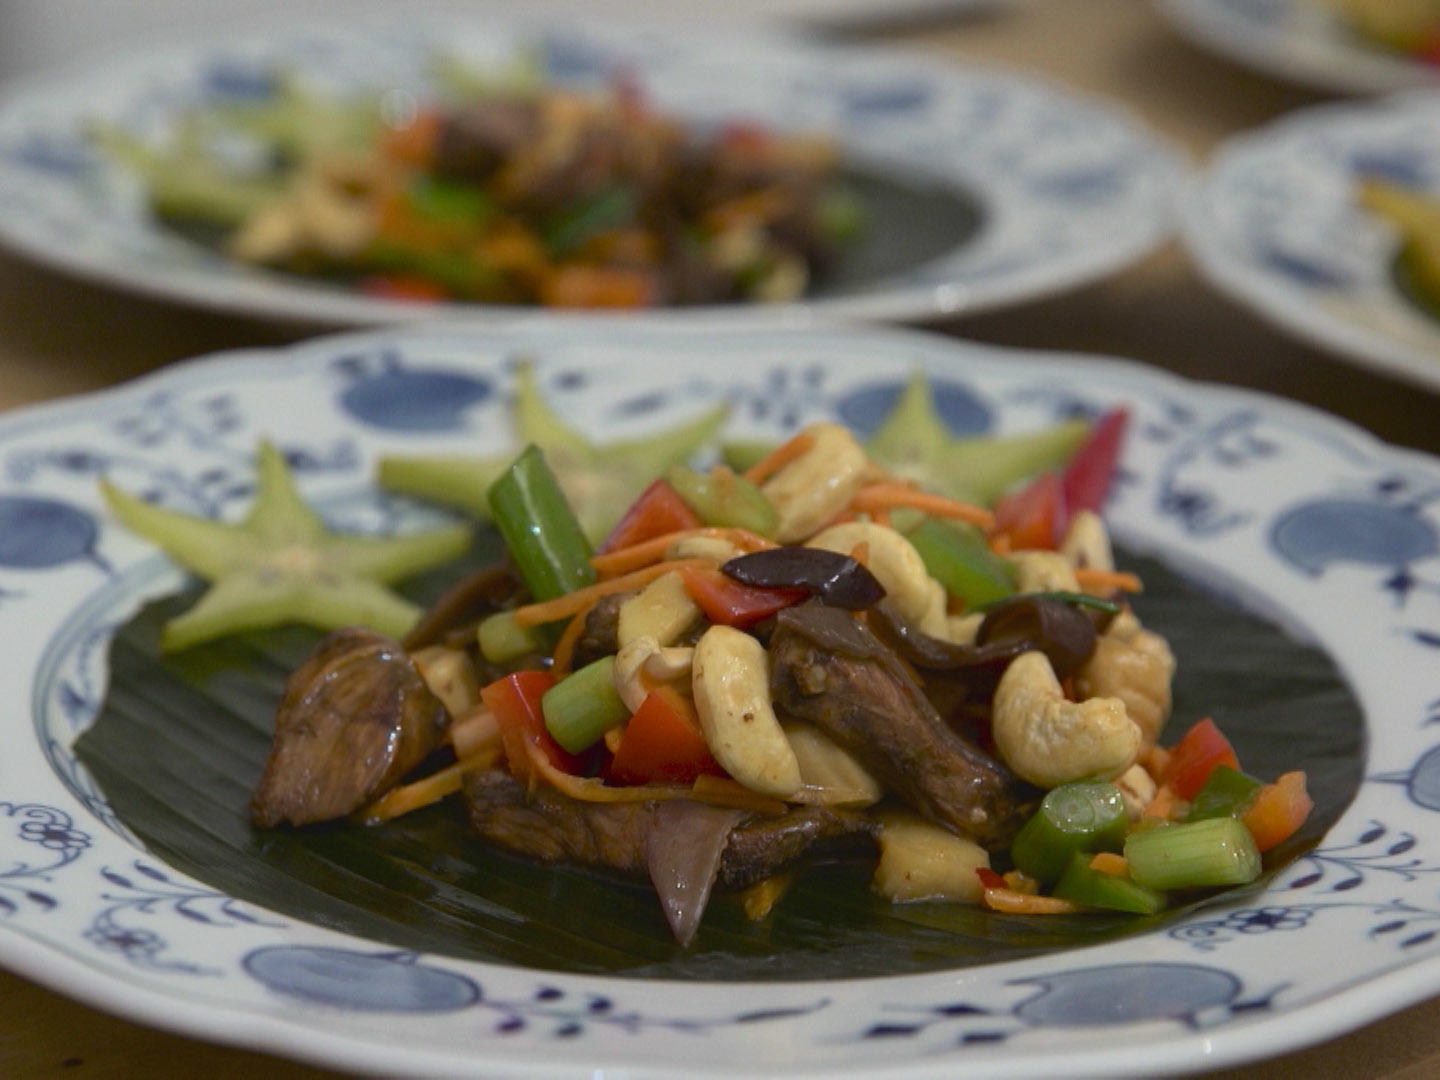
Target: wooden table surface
[60, 337]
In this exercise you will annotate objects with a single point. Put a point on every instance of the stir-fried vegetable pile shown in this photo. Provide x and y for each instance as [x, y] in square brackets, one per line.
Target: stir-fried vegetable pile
[811, 657]
[1411, 27]
[511, 194]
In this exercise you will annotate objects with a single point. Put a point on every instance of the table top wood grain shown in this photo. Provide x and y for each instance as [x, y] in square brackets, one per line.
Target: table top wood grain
[60, 337]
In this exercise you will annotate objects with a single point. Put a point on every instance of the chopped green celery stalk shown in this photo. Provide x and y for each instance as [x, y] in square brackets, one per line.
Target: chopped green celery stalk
[1227, 793]
[1194, 855]
[1084, 885]
[461, 482]
[581, 707]
[724, 499]
[544, 538]
[502, 639]
[957, 556]
[1087, 815]
[740, 456]
[1098, 603]
[450, 201]
[915, 443]
[609, 208]
[840, 214]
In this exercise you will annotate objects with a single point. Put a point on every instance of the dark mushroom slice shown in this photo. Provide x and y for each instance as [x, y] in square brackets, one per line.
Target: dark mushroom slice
[354, 719]
[452, 619]
[601, 633]
[833, 578]
[829, 669]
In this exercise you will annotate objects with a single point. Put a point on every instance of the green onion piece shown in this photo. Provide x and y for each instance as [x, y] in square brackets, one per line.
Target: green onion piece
[582, 707]
[545, 541]
[1089, 887]
[957, 556]
[502, 639]
[1195, 855]
[722, 498]
[1227, 793]
[1088, 815]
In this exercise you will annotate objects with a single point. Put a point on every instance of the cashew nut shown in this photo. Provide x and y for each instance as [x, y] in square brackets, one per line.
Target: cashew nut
[1043, 571]
[716, 549]
[1134, 665]
[661, 610]
[910, 591]
[450, 676]
[1137, 788]
[1087, 542]
[819, 484]
[829, 776]
[731, 680]
[642, 663]
[919, 860]
[1051, 741]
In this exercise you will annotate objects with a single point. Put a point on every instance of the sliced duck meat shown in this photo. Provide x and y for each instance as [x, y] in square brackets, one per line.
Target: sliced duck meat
[829, 669]
[354, 719]
[552, 827]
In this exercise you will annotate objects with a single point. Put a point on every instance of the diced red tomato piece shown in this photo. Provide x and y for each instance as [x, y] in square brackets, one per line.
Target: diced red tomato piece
[1085, 483]
[658, 510]
[1031, 516]
[663, 743]
[514, 701]
[1195, 756]
[1278, 810]
[724, 600]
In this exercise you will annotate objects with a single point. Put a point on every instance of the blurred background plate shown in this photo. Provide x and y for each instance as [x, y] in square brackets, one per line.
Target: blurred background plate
[1041, 190]
[1275, 222]
[1300, 41]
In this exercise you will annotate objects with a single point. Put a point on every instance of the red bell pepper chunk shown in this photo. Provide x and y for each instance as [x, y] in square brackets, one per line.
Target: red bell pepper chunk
[1195, 756]
[1085, 483]
[663, 743]
[658, 510]
[514, 701]
[1278, 811]
[1032, 516]
[989, 879]
[726, 601]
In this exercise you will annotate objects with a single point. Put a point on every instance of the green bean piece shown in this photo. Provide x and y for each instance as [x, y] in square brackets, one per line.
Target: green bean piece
[1195, 855]
[1084, 885]
[1087, 816]
[1227, 793]
[502, 639]
[580, 708]
[722, 498]
[545, 541]
[957, 556]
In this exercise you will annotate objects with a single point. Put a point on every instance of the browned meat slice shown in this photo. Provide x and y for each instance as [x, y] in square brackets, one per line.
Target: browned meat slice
[452, 619]
[355, 718]
[553, 827]
[600, 636]
[829, 669]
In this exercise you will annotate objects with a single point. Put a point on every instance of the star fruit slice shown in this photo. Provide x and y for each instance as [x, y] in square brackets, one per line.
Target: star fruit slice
[599, 479]
[282, 564]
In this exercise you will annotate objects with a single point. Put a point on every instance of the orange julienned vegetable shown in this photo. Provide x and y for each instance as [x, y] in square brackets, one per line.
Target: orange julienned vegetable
[1279, 810]
[645, 552]
[777, 459]
[881, 498]
[1090, 577]
[563, 607]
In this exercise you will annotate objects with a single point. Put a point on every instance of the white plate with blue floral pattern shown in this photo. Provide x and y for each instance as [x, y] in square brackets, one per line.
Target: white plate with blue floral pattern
[1049, 191]
[1302, 41]
[1274, 221]
[1297, 515]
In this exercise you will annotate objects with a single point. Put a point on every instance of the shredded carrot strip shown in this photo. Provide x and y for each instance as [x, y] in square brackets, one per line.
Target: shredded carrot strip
[1108, 862]
[1000, 543]
[1018, 903]
[778, 458]
[879, 498]
[1091, 577]
[758, 899]
[1021, 883]
[723, 791]
[881, 517]
[861, 553]
[424, 792]
[563, 607]
[623, 560]
[587, 789]
[565, 646]
[1162, 805]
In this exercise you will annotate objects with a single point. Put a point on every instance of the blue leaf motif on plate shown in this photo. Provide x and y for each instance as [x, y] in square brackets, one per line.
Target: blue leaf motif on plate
[369, 982]
[865, 408]
[1315, 534]
[1128, 993]
[36, 533]
[414, 400]
[890, 99]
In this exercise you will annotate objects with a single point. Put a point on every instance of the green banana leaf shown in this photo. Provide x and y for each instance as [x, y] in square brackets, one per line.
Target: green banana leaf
[183, 737]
